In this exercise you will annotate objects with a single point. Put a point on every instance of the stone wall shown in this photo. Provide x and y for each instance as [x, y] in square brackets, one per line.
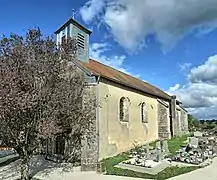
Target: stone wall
[178, 121]
[179, 118]
[184, 122]
[175, 113]
[89, 142]
[163, 121]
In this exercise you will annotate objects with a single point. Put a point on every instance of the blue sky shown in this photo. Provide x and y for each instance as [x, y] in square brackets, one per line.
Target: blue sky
[168, 43]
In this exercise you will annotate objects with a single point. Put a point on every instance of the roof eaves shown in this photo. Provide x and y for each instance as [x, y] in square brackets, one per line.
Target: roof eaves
[131, 86]
[183, 109]
[163, 103]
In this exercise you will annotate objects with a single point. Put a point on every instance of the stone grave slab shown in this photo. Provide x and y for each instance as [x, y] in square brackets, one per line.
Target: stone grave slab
[155, 167]
[184, 164]
[198, 134]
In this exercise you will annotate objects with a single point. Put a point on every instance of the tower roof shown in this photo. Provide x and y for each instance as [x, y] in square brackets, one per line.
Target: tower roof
[74, 22]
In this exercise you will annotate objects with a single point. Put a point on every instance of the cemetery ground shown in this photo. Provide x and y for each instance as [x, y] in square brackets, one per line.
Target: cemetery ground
[173, 145]
[41, 169]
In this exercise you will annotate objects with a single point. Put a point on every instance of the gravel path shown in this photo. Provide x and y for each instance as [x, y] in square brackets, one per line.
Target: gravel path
[46, 170]
[207, 173]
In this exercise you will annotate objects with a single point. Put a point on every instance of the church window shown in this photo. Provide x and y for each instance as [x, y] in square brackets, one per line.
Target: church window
[124, 109]
[144, 113]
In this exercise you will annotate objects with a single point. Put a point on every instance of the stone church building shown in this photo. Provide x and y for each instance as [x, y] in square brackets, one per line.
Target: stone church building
[129, 111]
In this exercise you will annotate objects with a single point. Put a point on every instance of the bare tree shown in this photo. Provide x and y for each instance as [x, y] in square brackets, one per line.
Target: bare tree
[41, 93]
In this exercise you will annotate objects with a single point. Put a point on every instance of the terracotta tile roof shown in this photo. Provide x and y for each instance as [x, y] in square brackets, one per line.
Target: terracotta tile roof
[99, 69]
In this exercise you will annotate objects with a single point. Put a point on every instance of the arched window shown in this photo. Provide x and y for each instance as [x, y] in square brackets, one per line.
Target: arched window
[144, 113]
[124, 109]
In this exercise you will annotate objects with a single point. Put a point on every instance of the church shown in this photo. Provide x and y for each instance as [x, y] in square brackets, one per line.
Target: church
[129, 111]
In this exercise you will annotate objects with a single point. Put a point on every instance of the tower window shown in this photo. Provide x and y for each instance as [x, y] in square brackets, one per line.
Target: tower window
[63, 39]
[80, 41]
[68, 31]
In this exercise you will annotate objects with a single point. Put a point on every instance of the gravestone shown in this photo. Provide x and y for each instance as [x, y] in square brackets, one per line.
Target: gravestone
[198, 134]
[165, 147]
[158, 151]
[158, 145]
[147, 151]
[193, 142]
[211, 141]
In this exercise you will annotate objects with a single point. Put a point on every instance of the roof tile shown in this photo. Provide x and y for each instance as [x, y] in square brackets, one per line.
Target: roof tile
[112, 74]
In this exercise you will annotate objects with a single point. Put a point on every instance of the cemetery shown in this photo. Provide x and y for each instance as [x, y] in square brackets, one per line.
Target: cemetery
[196, 150]
[154, 159]
[148, 160]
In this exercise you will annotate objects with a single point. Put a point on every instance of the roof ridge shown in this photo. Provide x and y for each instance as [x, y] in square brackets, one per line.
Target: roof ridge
[129, 76]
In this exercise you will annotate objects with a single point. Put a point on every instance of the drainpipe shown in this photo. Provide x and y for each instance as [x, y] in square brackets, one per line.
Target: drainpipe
[97, 115]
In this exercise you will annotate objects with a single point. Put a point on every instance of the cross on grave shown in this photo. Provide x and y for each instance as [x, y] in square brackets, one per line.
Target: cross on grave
[158, 151]
[165, 146]
[147, 151]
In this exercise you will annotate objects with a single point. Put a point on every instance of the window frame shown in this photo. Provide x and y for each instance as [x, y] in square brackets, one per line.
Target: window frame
[124, 110]
[144, 112]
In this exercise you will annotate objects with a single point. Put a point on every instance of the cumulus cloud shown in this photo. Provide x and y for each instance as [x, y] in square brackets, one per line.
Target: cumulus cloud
[91, 9]
[199, 95]
[206, 73]
[131, 21]
[98, 52]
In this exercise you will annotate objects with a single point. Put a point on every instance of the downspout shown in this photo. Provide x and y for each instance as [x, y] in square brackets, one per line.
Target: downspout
[97, 115]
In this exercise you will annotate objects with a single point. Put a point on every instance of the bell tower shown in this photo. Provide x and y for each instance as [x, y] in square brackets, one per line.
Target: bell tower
[73, 29]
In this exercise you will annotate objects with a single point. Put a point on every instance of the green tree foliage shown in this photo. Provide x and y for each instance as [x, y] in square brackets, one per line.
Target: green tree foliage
[193, 123]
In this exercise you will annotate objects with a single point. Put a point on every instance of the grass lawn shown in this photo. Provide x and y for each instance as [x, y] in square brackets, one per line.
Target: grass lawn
[174, 145]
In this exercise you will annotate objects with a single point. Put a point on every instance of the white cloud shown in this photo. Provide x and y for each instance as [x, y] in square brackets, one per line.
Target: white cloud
[199, 95]
[185, 66]
[97, 52]
[131, 21]
[91, 9]
[174, 88]
[206, 72]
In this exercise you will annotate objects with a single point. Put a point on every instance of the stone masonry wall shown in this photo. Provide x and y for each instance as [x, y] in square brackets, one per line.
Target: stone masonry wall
[178, 123]
[163, 122]
[89, 150]
[175, 118]
[184, 122]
